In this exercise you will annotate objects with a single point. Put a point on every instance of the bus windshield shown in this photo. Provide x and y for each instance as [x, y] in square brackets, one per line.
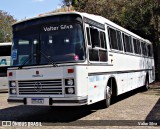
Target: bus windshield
[5, 53]
[39, 45]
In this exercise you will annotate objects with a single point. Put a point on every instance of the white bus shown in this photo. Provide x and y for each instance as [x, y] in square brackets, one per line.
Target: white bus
[73, 59]
[5, 53]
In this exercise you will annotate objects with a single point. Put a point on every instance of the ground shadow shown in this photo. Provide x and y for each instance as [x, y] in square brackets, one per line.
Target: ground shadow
[55, 114]
[100, 105]
[43, 114]
[154, 114]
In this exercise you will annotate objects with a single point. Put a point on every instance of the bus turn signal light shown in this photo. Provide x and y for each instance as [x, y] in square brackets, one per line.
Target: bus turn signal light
[10, 74]
[70, 70]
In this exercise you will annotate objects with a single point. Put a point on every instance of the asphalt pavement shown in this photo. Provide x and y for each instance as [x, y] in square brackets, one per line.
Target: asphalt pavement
[135, 109]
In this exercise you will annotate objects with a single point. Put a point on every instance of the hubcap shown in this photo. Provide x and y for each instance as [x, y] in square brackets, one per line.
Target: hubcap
[109, 92]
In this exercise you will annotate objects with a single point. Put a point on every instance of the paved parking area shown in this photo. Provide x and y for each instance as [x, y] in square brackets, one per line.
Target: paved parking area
[130, 109]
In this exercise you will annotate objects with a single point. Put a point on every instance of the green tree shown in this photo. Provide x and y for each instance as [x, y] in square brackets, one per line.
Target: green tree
[143, 18]
[139, 16]
[6, 20]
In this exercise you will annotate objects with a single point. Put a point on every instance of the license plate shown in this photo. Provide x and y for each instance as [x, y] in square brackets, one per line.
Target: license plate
[37, 101]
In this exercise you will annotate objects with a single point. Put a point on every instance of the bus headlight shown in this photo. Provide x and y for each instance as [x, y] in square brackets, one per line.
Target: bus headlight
[13, 84]
[13, 91]
[69, 82]
[70, 90]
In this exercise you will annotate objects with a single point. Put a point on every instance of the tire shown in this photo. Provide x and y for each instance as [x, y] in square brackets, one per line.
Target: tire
[146, 86]
[108, 94]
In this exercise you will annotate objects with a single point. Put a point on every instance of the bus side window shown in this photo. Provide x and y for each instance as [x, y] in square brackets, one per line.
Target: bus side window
[144, 49]
[119, 41]
[115, 39]
[88, 36]
[5, 51]
[93, 55]
[103, 49]
[95, 37]
[94, 40]
[98, 51]
[139, 47]
[127, 43]
[103, 40]
[135, 46]
[112, 38]
[149, 50]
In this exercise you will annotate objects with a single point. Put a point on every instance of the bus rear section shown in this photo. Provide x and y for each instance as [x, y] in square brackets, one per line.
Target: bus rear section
[5, 52]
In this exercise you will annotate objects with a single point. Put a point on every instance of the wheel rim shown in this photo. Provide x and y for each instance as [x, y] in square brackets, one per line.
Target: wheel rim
[147, 84]
[108, 95]
[109, 92]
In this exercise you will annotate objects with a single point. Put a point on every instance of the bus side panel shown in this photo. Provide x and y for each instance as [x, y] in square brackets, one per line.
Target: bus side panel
[3, 84]
[151, 71]
[81, 80]
[121, 82]
[96, 88]
[129, 81]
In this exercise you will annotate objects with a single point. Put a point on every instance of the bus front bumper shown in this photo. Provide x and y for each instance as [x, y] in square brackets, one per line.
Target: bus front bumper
[70, 101]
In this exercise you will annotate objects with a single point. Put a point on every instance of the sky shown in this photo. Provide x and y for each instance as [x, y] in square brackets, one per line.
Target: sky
[21, 9]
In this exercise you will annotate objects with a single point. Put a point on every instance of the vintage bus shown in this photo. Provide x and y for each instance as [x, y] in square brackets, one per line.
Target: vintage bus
[5, 53]
[73, 59]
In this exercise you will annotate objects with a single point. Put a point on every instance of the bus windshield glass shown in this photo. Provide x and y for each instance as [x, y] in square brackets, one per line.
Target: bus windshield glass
[43, 44]
[5, 53]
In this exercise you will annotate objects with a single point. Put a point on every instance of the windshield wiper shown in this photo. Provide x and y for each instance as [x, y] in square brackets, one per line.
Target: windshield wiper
[48, 58]
[29, 58]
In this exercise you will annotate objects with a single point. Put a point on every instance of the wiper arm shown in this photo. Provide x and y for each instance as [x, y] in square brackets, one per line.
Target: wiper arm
[50, 60]
[29, 58]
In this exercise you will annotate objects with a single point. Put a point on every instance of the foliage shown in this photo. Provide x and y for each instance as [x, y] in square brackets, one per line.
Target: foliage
[139, 16]
[6, 20]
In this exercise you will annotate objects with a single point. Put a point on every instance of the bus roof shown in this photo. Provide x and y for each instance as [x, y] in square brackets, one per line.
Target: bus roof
[6, 44]
[98, 18]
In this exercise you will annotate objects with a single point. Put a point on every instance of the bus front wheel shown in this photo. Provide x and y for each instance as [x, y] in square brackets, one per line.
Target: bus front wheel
[107, 101]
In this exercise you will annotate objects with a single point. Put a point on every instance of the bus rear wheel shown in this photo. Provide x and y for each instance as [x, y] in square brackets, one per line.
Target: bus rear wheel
[146, 86]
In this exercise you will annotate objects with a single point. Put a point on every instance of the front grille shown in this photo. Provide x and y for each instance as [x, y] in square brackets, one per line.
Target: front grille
[43, 87]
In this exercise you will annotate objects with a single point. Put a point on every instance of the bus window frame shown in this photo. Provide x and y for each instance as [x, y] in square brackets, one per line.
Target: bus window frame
[121, 38]
[130, 37]
[97, 48]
